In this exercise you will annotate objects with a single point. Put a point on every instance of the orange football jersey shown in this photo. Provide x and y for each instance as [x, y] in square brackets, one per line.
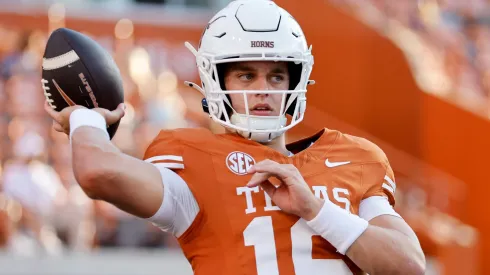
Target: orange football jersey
[239, 230]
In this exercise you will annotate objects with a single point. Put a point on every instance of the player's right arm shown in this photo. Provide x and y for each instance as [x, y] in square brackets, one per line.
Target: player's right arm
[147, 189]
[104, 172]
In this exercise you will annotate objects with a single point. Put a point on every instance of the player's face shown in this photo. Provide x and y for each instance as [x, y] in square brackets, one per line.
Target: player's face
[257, 75]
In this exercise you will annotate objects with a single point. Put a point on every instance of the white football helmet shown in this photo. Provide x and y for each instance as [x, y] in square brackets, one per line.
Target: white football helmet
[253, 30]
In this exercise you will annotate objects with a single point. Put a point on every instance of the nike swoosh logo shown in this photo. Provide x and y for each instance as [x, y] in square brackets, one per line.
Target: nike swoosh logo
[335, 164]
[64, 95]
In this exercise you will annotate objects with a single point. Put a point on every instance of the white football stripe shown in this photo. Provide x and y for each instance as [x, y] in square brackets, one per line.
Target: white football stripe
[387, 187]
[169, 165]
[166, 157]
[391, 182]
[60, 60]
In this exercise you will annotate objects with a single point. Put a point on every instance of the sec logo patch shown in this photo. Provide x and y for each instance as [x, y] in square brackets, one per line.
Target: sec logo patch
[239, 162]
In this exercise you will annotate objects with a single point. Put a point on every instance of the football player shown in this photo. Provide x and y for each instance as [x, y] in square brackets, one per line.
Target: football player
[244, 202]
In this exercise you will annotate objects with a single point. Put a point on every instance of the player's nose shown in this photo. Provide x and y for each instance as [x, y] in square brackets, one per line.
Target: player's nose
[262, 84]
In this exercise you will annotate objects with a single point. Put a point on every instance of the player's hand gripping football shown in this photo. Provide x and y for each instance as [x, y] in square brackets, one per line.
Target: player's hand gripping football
[293, 195]
[61, 120]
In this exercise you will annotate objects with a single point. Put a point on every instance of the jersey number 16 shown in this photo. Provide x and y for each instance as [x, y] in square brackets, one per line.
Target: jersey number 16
[260, 234]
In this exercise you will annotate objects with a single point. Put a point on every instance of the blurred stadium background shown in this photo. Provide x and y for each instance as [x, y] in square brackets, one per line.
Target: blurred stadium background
[412, 76]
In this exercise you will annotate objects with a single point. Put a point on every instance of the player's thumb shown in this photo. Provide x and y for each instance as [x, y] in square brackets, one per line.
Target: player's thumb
[114, 116]
[268, 187]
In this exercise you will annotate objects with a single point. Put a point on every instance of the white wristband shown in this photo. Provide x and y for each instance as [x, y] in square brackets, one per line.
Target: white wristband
[340, 228]
[86, 117]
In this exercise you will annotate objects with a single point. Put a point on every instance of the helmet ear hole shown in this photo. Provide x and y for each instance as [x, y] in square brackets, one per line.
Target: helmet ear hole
[221, 69]
[294, 75]
[290, 110]
[294, 71]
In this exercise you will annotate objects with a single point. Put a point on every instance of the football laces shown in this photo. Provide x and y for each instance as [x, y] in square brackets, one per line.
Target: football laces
[47, 94]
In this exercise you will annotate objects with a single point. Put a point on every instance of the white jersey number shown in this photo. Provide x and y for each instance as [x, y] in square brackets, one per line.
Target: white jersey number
[260, 233]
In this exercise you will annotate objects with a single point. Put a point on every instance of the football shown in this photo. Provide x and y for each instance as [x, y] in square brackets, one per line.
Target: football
[76, 70]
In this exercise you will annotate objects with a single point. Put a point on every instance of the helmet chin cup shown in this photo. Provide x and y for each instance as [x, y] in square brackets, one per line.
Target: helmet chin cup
[262, 129]
[259, 137]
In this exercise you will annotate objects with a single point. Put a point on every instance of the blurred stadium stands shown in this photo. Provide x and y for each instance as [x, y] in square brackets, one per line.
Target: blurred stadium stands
[446, 42]
[44, 212]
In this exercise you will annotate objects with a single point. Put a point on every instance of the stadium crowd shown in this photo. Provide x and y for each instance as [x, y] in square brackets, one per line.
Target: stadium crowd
[449, 39]
[36, 178]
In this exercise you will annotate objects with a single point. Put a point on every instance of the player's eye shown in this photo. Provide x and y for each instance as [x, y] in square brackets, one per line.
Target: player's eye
[277, 78]
[245, 77]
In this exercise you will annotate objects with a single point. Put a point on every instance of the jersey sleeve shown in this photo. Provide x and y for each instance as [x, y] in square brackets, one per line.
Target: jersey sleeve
[179, 207]
[379, 179]
[375, 206]
[166, 151]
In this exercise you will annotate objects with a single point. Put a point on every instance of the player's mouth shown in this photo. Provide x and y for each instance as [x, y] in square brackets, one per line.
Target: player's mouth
[261, 110]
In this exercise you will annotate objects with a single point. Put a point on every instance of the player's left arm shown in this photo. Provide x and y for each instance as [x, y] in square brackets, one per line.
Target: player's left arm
[388, 245]
[384, 245]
